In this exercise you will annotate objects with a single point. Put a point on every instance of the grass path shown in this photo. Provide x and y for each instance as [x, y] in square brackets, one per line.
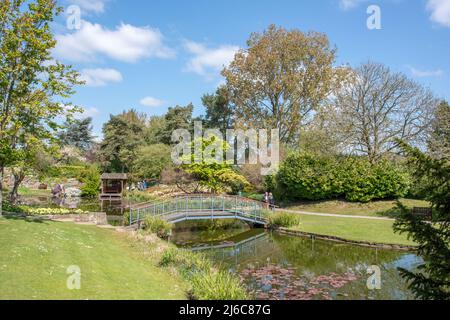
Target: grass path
[334, 215]
[34, 257]
[365, 229]
[384, 208]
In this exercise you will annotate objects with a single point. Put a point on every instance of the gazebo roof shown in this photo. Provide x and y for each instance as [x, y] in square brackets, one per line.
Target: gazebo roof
[114, 176]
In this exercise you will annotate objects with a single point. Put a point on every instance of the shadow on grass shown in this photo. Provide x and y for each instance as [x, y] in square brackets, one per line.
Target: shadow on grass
[27, 219]
[393, 213]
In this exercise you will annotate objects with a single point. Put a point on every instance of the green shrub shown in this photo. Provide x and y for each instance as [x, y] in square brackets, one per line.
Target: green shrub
[157, 225]
[309, 177]
[220, 285]
[270, 183]
[90, 178]
[306, 177]
[8, 207]
[283, 219]
[126, 218]
[364, 181]
[187, 262]
[207, 282]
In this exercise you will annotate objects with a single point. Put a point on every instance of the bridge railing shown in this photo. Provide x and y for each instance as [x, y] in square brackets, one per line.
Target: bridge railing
[200, 203]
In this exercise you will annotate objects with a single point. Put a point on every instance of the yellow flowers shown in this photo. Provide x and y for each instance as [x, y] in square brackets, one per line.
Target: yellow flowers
[50, 211]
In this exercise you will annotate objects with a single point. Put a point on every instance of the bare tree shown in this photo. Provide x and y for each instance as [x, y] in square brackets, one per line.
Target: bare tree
[380, 106]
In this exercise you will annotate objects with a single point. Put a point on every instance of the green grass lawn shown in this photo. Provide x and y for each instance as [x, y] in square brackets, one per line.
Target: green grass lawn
[379, 231]
[34, 257]
[387, 208]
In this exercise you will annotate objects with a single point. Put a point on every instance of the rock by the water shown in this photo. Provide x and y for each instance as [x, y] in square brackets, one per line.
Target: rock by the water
[73, 193]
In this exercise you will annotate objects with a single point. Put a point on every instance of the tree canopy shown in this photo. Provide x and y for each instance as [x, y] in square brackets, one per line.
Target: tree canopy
[123, 135]
[432, 278]
[176, 118]
[439, 138]
[78, 133]
[151, 160]
[33, 87]
[219, 110]
[380, 106]
[281, 79]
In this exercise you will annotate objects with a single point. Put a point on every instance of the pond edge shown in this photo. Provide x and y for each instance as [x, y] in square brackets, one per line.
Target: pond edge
[303, 234]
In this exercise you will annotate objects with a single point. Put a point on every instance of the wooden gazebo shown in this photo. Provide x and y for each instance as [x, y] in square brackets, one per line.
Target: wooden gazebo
[113, 185]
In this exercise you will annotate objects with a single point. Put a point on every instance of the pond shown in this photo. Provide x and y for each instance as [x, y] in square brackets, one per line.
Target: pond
[275, 266]
[115, 209]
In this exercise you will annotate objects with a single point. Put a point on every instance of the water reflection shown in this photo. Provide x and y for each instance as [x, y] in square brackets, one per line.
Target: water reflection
[115, 209]
[119, 206]
[275, 266]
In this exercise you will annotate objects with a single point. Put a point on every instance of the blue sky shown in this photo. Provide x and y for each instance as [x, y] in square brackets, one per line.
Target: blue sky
[153, 54]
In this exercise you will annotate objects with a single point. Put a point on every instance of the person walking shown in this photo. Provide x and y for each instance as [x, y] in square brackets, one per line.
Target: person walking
[271, 201]
[266, 200]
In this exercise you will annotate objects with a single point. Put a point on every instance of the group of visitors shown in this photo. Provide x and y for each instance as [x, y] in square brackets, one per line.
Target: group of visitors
[269, 200]
[140, 186]
[58, 191]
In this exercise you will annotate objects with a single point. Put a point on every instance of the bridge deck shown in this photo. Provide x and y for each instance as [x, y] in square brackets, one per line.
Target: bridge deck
[201, 207]
[205, 215]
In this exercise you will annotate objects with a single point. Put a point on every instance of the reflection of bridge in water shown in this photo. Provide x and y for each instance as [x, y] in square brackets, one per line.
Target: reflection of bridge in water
[201, 207]
[253, 247]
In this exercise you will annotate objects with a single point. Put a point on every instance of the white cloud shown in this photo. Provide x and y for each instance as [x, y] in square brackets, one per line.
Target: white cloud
[87, 113]
[100, 77]
[440, 11]
[425, 73]
[96, 6]
[151, 102]
[208, 62]
[125, 43]
[349, 4]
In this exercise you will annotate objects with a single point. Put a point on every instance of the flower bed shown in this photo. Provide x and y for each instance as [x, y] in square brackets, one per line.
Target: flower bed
[32, 211]
[50, 211]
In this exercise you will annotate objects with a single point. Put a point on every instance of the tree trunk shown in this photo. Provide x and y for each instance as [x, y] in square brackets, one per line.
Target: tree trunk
[14, 194]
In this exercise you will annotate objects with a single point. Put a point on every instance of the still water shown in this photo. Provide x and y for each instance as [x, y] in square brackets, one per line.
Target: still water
[115, 209]
[275, 266]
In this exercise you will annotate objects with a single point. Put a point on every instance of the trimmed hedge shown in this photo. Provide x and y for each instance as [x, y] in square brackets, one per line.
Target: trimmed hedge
[303, 176]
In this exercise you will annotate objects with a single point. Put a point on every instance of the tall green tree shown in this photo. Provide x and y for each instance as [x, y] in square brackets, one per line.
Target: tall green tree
[33, 87]
[281, 79]
[439, 137]
[78, 133]
[432, 278]
[219, 110]
[154, 126]
[123, 134]
[176, 118]
[151, 160]
[320, 135]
